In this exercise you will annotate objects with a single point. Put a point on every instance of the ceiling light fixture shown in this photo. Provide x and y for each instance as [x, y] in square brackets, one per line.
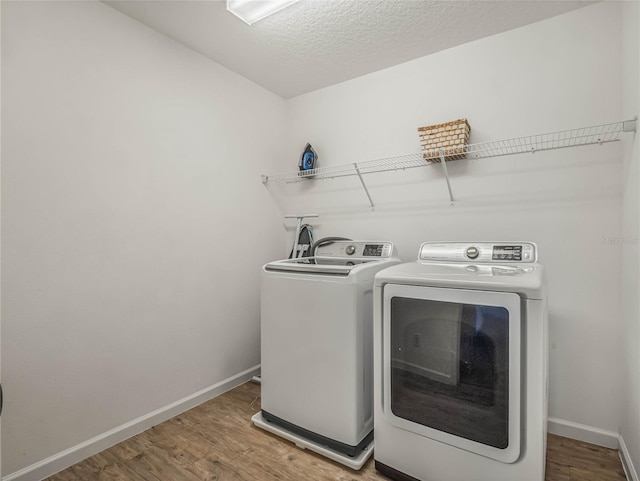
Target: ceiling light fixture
[250, 11]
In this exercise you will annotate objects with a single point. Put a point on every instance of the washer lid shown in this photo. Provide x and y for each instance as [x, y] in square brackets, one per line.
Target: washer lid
[342, 258]
[524, 279]
[317, 265]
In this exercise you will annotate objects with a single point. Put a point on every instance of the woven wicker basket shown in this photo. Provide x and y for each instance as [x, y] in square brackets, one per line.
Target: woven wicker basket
[451, 138]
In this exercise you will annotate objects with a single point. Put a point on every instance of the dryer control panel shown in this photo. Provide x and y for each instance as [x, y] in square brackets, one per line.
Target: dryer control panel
[479, 252]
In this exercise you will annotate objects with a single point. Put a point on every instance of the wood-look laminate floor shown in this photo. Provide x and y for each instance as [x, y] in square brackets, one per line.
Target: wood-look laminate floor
[217, 441]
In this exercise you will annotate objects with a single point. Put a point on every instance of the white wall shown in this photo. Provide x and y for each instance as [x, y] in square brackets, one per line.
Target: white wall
[134, 223]
[558, 74]
[129, 165]
[630, 420]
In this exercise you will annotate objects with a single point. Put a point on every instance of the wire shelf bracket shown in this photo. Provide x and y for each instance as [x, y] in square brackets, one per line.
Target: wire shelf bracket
[446, 176]
[364, 186]
[594, 135]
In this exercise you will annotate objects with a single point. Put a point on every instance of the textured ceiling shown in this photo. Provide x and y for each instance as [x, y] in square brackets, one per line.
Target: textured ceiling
[317, 43]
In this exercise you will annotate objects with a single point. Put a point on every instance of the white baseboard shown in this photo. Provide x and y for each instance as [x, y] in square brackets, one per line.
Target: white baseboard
[53, 464]
[627, 462]
[582, 432]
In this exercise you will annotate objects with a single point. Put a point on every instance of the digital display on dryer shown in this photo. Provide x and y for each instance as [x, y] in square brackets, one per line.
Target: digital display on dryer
[507, 253]
[373, 250]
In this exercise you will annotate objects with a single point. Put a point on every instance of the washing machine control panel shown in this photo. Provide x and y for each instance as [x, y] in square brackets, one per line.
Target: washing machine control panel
[490, 252]
[355, 249]
[508, 253]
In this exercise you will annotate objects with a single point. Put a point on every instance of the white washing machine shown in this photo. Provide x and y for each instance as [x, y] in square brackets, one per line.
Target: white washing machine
[460, 364]
[317, 348]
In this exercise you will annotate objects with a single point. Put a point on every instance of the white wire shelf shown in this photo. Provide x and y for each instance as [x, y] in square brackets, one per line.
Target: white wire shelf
[597, 134]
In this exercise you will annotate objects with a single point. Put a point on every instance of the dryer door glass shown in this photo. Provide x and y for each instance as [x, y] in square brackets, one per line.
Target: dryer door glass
[449, 367]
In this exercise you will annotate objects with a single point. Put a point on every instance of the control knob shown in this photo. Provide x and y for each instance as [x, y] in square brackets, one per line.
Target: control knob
[350, 250]
[472, 252]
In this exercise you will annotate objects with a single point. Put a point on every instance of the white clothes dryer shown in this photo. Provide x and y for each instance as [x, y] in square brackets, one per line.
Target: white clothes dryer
[460, 364]
[317, 348]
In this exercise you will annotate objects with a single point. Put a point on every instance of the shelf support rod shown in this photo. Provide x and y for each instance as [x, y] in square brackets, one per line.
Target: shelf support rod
[446, 175]
[364, 186]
